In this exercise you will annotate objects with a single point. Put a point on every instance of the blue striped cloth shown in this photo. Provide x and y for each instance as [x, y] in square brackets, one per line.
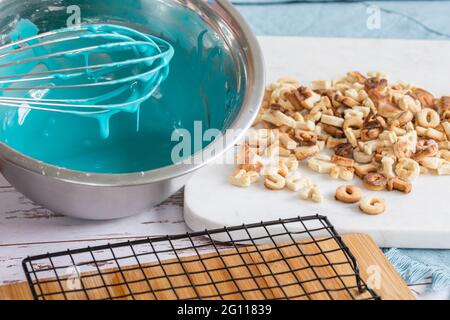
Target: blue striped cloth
[399, 19]
[315, 18]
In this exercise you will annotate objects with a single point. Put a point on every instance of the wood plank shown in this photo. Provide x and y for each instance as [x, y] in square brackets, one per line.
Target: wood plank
[19, 291]
[22, 222]
[28, 229]
[373, 264]
[175, 278]
[11, 256]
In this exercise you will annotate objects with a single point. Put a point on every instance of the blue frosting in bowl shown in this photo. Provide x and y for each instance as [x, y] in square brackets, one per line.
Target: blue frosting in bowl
[202, 86]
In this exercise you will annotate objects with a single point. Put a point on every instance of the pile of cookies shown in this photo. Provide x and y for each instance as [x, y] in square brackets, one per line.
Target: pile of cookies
[385, 134]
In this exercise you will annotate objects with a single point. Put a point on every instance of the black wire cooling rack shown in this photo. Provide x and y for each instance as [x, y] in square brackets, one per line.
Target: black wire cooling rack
[299, 258]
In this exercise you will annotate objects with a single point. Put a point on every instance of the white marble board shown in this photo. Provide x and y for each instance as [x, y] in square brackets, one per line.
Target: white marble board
[418, 220]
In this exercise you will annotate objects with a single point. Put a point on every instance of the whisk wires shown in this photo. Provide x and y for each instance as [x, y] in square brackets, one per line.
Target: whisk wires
[83, 70]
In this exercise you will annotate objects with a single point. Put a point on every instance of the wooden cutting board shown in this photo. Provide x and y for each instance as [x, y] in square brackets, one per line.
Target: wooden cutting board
[417, 220]
[375, 268]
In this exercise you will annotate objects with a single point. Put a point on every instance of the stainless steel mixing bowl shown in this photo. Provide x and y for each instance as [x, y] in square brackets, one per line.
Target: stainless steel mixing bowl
[112, 196]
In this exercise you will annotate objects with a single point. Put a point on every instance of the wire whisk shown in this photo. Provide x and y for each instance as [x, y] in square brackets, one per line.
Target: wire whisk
[84, 70]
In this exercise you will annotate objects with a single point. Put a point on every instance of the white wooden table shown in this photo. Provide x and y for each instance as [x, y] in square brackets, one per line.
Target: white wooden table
[27, 229]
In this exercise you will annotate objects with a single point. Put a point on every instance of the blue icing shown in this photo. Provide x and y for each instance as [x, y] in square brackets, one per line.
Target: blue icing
[202, 85]
[24, 29]
[94, 71]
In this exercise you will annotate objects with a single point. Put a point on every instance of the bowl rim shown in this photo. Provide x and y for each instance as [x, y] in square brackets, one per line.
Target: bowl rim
[243, 121]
